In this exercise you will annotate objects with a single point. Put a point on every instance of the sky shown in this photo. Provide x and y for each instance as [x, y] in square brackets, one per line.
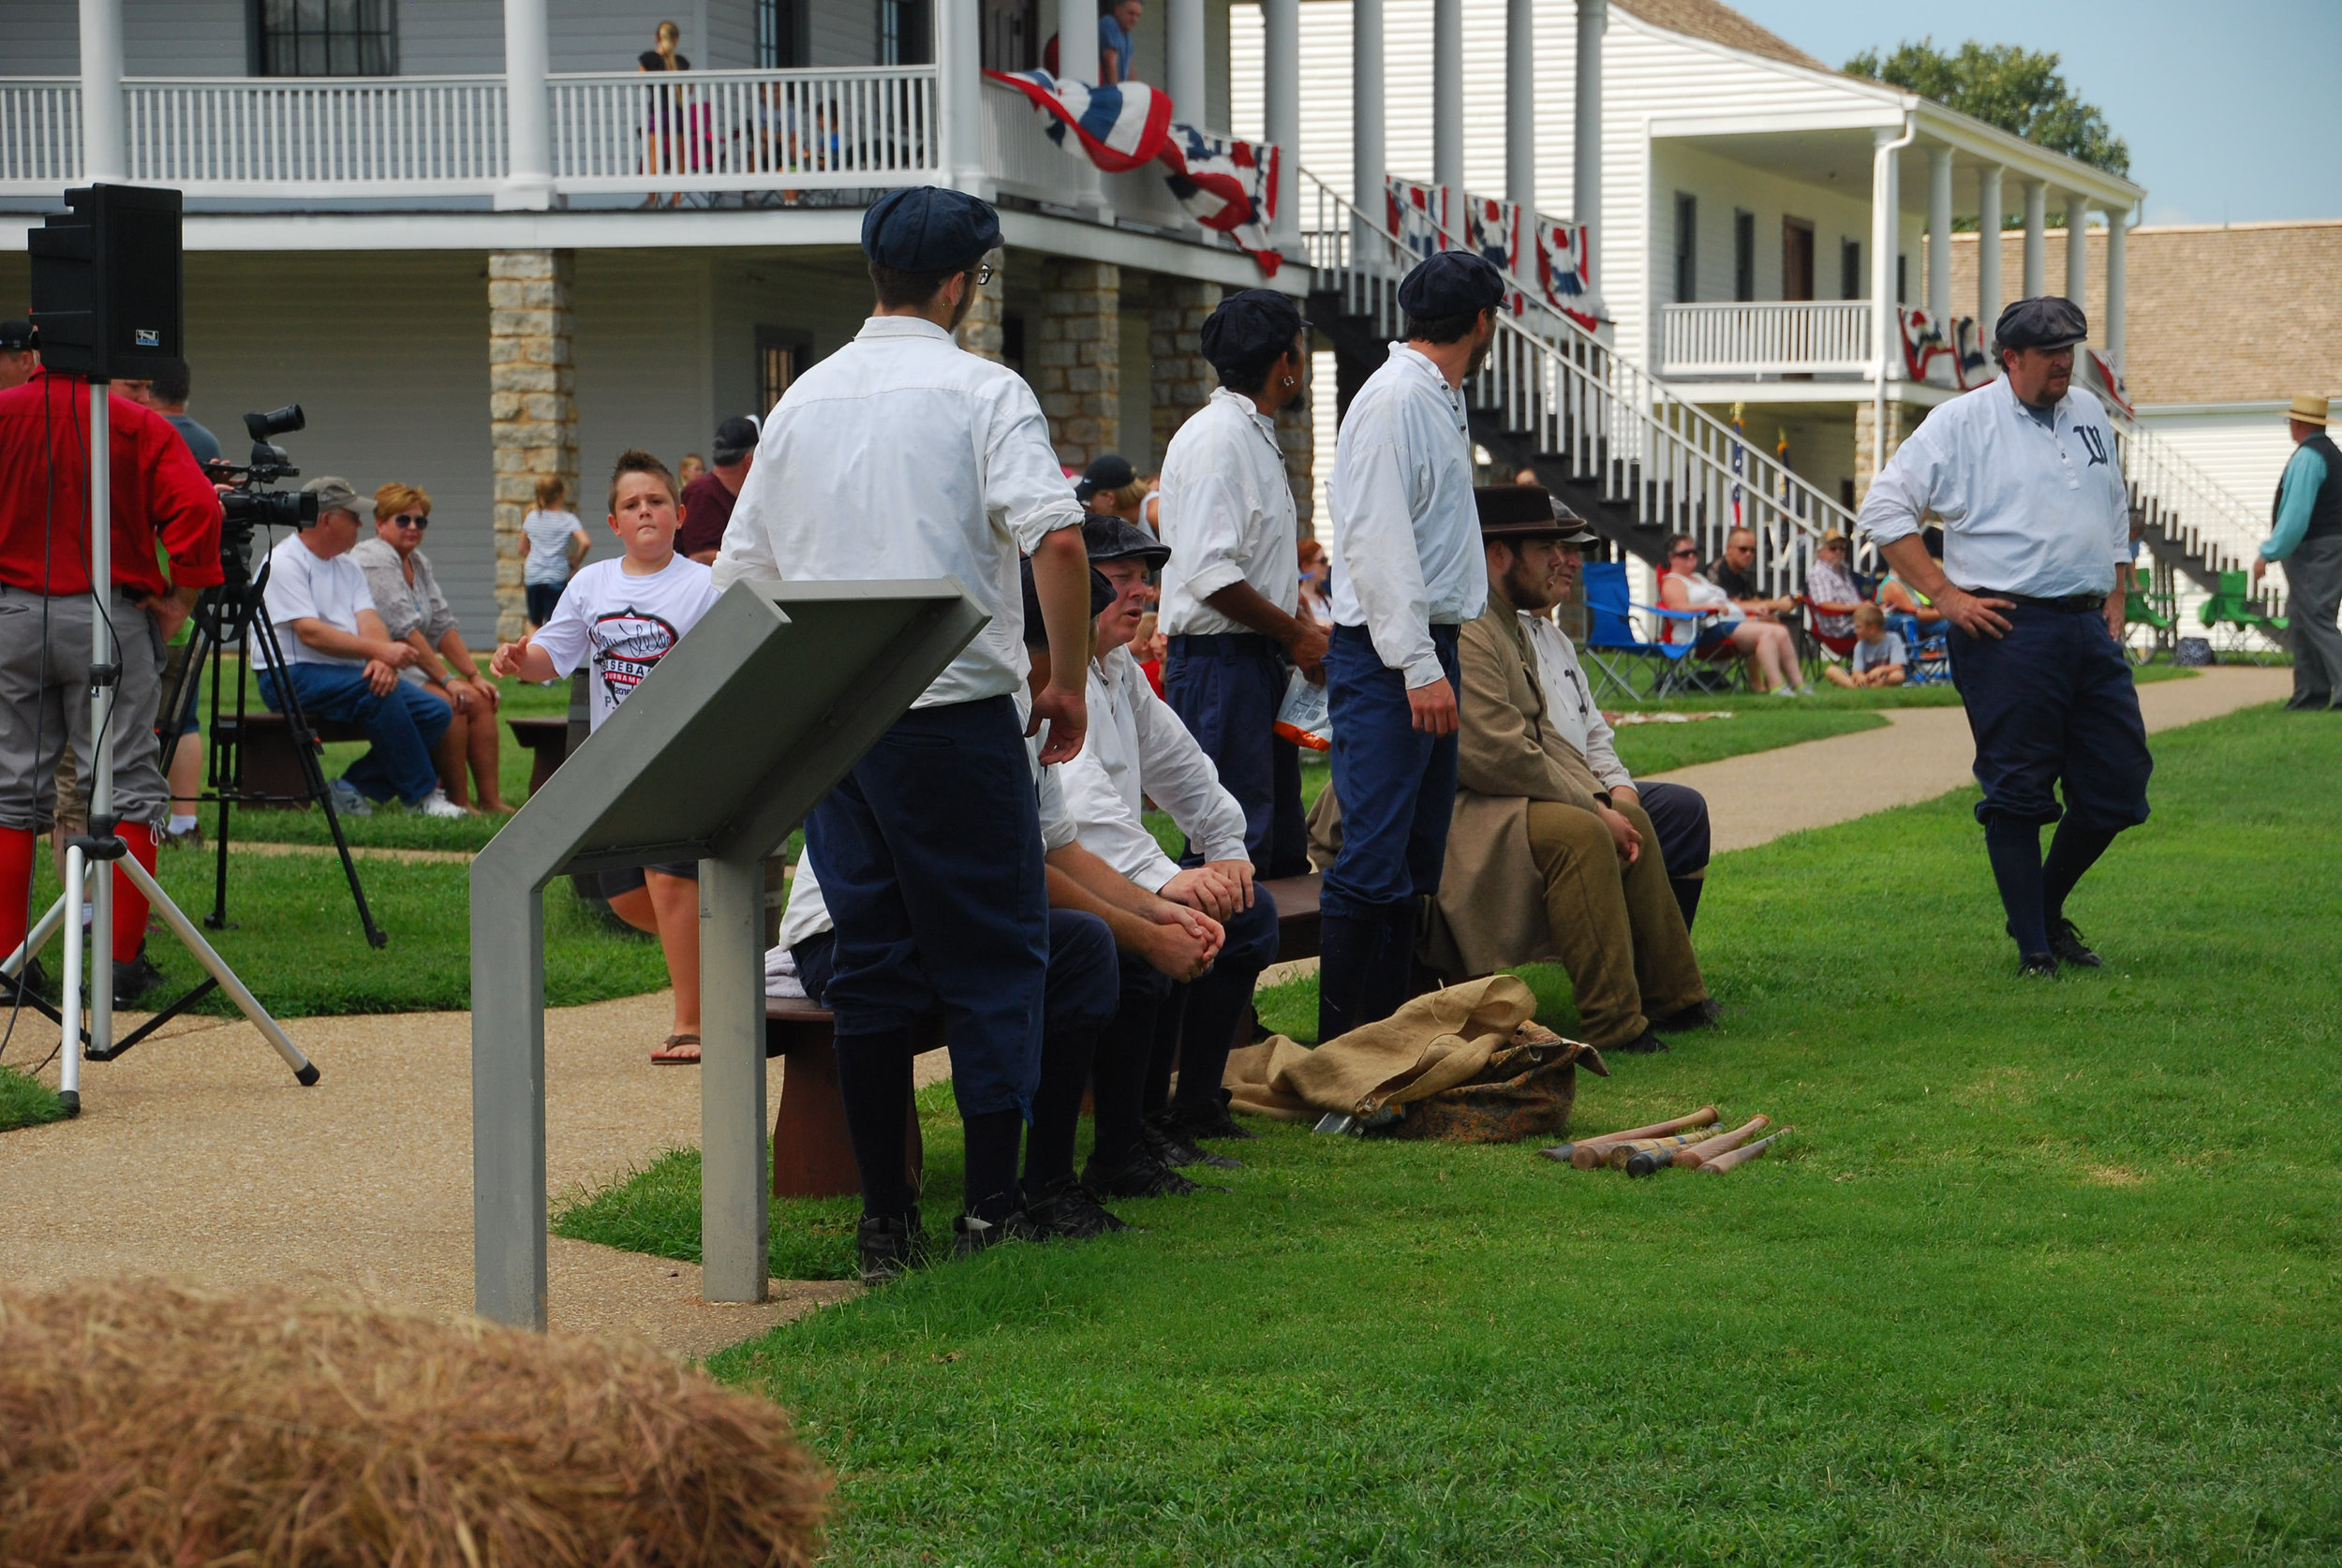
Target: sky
[2233, 111]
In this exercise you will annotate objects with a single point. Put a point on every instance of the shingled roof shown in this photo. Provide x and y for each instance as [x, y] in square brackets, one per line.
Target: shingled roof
[1706, 19]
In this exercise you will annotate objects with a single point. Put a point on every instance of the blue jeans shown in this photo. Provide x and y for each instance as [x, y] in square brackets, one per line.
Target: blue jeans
[1397, 784]
[1227, 688]
[403, 724]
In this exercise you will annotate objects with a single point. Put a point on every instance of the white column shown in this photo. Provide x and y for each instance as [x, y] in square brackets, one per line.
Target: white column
[1366, 168]
[1885, 238]
[1183, 64]
[2078, 248]
[2117, 285]
[1520, 104]
[1447, 140]
[959, 97]
[527, 114]
[1988, 211]
[2035, 238]
[1281, 87]
[1939, 239]
[1585, 189]
[1078, 41]
[105, 154]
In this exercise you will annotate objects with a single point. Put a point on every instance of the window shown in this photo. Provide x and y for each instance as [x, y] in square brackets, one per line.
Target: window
[780, 42]
[1797, 259]
[1850, 270]
[1686, 249]
[1903, 280]
[323, 38]
[1012, 35]
[780, 354]
[906, 36]
[1743, 255]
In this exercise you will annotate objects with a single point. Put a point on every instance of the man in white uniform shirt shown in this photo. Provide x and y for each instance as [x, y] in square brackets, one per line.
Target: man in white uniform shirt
[1232, 588]
[902, 456]
[2036, 570]
[1407, 573]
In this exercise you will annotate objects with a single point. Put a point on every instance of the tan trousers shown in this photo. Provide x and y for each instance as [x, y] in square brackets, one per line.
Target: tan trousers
[1618, 929]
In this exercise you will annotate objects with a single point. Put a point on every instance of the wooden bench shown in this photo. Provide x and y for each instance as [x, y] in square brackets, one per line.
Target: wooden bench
[272, 762]
[813, 1157]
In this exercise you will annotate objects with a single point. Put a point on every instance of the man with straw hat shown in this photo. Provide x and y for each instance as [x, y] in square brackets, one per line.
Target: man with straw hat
[2307, 535]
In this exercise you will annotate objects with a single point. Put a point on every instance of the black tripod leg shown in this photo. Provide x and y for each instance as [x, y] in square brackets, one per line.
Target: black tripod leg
[307, 747]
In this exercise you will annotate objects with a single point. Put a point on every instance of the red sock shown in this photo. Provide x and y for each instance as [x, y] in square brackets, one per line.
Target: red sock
[16, 884]
[130, 903]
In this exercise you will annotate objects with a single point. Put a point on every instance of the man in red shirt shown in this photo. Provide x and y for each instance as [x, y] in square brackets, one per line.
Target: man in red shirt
[707, 499]
[162, 506]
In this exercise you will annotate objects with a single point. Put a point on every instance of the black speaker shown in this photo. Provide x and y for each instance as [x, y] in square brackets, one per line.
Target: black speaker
[109, 283]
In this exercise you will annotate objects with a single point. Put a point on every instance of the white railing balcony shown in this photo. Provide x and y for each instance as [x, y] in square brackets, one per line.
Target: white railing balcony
[40, 133]
[1023, 161]
[1766, 337]
[746, 130]
[318, 136]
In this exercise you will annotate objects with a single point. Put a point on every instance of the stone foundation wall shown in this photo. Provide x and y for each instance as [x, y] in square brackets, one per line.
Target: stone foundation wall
[1900, 422]
[980, 332]
[1180, 377]
[1297, 433]
[1075, 352]
[532, 402]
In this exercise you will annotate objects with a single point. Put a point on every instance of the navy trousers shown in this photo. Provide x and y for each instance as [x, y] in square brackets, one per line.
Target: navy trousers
[1678, 813]
[1397, 784]
[1227, 688]
[929, 857]
[2053, 707]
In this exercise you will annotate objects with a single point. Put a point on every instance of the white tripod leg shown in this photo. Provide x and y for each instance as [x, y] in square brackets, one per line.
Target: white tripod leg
[249, 1004]
[35, 940]
[69, 1051]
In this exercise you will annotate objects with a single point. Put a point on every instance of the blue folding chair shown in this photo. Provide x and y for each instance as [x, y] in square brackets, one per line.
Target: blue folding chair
[1926, 659]
[1613, 648]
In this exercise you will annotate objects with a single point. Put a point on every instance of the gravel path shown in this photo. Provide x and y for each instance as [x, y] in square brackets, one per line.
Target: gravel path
[196, 1157]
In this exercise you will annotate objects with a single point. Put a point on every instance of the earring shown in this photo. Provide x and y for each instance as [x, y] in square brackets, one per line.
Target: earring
[1289, 382]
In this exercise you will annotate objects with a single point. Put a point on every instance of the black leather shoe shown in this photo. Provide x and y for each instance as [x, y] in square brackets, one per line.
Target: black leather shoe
[1144, 1176]
[2066, 946]
[890, 1246]
[134, 978]
[1194, 1122]
[2037, 966]
[1065, 1209]
[1701, 1015]
[1176, 1151]
[970, 1236]
[1647, 1044]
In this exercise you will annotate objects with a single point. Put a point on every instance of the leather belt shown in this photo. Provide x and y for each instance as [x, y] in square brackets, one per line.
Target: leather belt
[2071, 604]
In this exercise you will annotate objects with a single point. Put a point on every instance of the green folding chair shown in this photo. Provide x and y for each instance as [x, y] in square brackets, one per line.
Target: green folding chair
[2234, 607]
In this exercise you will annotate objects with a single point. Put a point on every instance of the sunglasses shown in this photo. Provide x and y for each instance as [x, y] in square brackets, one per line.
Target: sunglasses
[1675, 554]
[412, 520]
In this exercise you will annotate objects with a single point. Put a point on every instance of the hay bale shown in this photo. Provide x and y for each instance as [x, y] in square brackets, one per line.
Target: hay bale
[154, 1424]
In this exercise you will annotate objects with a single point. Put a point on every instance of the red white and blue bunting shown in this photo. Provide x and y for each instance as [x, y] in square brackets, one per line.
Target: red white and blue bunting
[1118, 128]
[1545, 257]
[1958, 362]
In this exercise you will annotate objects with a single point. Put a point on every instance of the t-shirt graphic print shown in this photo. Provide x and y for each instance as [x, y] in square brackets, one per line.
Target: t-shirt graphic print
[624, 624]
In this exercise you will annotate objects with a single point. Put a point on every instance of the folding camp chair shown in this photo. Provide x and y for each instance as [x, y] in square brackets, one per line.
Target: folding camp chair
[1612, 648]
[1926, 654]
[2236, 608]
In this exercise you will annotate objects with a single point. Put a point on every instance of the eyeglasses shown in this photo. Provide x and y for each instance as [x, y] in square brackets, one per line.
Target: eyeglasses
[412, 520]
[983, 274]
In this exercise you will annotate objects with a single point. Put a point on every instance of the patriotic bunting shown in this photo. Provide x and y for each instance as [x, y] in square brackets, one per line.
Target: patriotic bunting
[1927, 357]
[1226, 185]
[1558, 269]
[1118, 128]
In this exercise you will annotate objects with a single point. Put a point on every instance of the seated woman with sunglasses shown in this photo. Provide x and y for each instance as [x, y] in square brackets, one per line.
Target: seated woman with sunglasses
[1765, 645]
[407, 596]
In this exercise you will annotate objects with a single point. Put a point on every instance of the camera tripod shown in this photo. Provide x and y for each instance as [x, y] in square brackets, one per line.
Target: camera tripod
[234, 614]
[89, 850]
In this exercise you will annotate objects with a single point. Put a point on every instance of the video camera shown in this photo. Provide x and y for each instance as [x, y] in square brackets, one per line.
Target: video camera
[248, 505]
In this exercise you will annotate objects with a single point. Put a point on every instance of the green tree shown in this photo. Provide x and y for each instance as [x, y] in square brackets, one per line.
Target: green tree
[2016, 89]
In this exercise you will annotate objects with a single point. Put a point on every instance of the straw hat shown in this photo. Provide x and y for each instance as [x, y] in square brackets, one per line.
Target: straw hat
[2308, 409]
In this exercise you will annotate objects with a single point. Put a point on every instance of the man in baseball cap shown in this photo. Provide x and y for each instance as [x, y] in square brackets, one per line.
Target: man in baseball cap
[707, 501]
[18, 358]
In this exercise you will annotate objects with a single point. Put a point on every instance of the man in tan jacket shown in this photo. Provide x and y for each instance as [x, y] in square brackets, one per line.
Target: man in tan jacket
[1541, 860]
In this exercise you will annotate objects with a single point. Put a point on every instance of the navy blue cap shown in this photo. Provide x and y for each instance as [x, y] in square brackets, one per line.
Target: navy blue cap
[1449, 284]
[927, 229]
[16, 334]
[1037, 635]
[1247, 327]
[2044, 321]
[736, 437]
[1107, 471]
[1108, 538]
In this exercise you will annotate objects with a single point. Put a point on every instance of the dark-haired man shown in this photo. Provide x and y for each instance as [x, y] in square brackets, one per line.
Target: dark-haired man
[2036, 570]
[1232, 589]
[709, 500]
[1407, 576]
[167, 393]
[902, 455]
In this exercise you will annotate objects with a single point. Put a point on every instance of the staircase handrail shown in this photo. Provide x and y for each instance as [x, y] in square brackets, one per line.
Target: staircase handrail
[2241, 533]
[1557, 374]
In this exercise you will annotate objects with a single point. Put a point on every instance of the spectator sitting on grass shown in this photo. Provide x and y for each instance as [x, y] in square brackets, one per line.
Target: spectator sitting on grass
[342, 663]
[1877, 651]
[407, 596]
[625, 615]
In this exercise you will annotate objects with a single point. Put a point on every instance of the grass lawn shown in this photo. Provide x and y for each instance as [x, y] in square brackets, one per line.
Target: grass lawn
[2083, 1309]
[24, 1101]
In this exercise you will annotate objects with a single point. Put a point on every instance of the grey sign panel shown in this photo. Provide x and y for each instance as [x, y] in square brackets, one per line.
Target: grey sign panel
[716, 757]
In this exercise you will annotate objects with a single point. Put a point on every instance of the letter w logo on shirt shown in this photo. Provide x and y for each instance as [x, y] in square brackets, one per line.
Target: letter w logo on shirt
[2094, 440]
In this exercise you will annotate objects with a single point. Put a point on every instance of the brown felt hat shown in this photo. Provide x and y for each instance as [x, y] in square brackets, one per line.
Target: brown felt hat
[2309, 409]
[1529, 511]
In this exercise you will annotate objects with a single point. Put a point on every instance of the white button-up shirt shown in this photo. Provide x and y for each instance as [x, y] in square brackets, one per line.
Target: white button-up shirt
[903, 456]
[2027, 508]
[1406, 550]
[1228, 514]
[1569, 702]
[1137, 748]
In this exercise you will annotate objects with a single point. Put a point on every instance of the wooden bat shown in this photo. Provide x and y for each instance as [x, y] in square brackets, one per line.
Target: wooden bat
[1739, 1157]
[1590, 1154]
[1652, 1160]
[1616, 1155]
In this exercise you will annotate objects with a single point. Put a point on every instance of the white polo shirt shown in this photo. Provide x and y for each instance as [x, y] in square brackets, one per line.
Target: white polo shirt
[1138, 750]
[1406, 548]
[904, 456]
[2028, 507]
[1228, 514]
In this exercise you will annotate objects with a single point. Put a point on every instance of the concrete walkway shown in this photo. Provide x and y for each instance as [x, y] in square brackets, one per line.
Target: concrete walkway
[196, 1156]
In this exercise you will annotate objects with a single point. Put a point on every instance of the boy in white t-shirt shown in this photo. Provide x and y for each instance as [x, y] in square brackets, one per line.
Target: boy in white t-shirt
[624, 616]
[556, 542]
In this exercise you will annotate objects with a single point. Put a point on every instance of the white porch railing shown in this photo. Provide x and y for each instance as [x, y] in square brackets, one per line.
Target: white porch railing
[1767, 338]
[316, 136]
[744, 131]
[40, 133]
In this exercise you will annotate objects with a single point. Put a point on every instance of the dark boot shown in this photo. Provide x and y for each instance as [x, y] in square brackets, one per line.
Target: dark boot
[1348, 948]
[890, 1246]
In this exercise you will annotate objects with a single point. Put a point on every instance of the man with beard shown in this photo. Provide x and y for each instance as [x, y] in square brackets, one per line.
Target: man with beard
[903, 456]
[1407, 576]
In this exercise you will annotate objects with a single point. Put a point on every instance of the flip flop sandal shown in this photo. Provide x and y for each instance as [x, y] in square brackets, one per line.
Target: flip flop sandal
[673, 1051]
